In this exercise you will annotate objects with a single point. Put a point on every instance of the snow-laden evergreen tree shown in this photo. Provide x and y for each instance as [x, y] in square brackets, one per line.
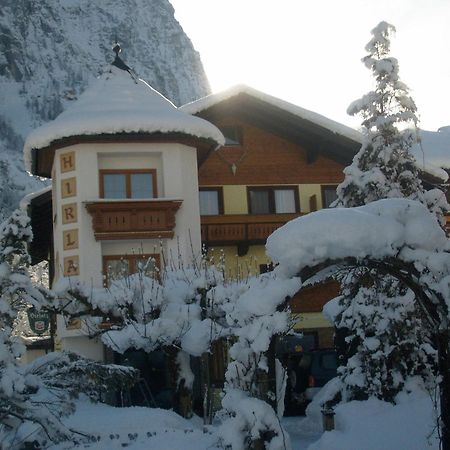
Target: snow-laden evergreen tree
[382, 339]
[17, 388]
[384, 166]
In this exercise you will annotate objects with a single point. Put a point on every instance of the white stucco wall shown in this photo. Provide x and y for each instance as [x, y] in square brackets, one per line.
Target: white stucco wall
[177, 178]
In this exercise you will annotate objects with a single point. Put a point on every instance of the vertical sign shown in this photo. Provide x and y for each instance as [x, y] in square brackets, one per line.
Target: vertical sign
[67, 161]
[71, 266]
[68, 187]
[69, 213]
[70, 239]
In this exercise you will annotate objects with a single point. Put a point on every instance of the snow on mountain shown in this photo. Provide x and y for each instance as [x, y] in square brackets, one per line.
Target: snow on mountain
[51, 50]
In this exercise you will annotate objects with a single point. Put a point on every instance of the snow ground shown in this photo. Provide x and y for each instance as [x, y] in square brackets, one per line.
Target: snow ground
[138, 428]
[369, 425]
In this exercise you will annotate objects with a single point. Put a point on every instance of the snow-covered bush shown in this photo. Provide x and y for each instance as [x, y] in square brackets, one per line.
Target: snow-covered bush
[257, 314]
[70, 373]
[395, 247]
[190, 308]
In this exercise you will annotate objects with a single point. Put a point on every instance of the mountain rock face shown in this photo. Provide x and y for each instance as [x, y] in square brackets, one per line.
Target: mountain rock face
[51, 49]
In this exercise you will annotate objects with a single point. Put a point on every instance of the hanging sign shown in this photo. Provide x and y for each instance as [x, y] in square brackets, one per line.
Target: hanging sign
[39, 320]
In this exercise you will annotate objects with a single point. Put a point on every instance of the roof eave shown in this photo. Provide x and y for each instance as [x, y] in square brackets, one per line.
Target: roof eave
[42, 158]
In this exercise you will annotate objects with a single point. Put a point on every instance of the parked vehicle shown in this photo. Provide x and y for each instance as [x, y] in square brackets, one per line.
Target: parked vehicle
[308, 371]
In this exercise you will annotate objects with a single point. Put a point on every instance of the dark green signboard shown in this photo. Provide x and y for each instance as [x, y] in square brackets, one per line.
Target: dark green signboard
[39, 320]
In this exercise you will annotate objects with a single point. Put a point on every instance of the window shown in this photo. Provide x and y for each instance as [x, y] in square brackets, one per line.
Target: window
[233, 135]
[211, 201]
[116, 267]
[273, 200]
[328, 195]
[135, 183]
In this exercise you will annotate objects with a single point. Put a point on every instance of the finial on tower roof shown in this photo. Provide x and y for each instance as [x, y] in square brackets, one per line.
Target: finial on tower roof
[116, 49]
[118, 61]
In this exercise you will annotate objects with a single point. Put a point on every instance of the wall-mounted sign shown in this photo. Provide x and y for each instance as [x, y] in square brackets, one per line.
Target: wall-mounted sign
[69, 213]
[70, 239]
[39, 320]
[69, 187]
[71, 266]
[67, 161]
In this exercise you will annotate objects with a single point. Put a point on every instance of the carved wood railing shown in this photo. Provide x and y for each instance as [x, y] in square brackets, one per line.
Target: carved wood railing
[136, 219]
[238, 228]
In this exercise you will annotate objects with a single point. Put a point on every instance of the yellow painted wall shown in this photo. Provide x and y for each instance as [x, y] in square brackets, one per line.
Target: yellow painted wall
[235, 199]
[236, 267]
[306, 191]
[310, 320]
[239, 266]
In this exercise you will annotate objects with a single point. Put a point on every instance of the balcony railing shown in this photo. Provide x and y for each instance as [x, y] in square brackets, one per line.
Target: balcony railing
[133, 219]
[241, 228]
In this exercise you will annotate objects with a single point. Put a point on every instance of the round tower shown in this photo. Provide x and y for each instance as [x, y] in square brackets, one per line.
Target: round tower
[123, 162]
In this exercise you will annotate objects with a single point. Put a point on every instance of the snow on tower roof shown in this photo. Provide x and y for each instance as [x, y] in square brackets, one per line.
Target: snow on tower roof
[117, 103]
[209, 101]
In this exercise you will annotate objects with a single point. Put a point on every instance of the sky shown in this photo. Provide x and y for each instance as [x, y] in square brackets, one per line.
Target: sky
[309, 52]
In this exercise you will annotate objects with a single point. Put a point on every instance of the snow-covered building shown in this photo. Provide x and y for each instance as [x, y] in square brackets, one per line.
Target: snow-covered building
[280, 161]
[123, 162]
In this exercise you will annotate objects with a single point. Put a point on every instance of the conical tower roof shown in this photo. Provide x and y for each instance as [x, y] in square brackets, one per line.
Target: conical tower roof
[117, 103]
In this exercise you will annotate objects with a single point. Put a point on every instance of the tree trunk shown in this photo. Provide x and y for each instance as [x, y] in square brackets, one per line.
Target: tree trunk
[444, 371]
[272, 380]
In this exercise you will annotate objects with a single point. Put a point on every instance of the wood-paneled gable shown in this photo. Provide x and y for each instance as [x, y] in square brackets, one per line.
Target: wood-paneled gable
[266, 158]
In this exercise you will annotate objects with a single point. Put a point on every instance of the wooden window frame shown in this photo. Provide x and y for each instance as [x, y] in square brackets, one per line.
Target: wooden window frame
[127, 173]
[271, 190]
[219, 191]
[131, 262]
[238, 133]
[325, 187]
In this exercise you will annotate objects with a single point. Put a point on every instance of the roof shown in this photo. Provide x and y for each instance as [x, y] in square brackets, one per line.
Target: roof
[209, 101]
[315, 133]
[117, 103]
[433, 152]
[314, 130]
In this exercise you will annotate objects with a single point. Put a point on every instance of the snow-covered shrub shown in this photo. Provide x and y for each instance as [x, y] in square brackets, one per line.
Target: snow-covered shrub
[396, 248]
[257, 314]
[190, 308]
[71, 373]
[251, 420]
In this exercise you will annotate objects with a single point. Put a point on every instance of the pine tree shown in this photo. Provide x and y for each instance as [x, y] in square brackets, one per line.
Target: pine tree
[384, 166]
[383, 343]
[17, 388]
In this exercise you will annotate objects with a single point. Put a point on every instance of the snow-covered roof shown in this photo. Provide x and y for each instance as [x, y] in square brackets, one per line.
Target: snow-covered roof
[436, 145]
[26, 201]
[434, 151]
[209, 101]
[117, 103]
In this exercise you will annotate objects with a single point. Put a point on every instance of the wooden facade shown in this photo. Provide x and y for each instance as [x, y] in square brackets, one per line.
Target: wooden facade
[271, 153]
[266, 159]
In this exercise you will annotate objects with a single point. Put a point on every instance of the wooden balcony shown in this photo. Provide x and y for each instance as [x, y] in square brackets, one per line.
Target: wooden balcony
[133, 219]
[231, 229]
